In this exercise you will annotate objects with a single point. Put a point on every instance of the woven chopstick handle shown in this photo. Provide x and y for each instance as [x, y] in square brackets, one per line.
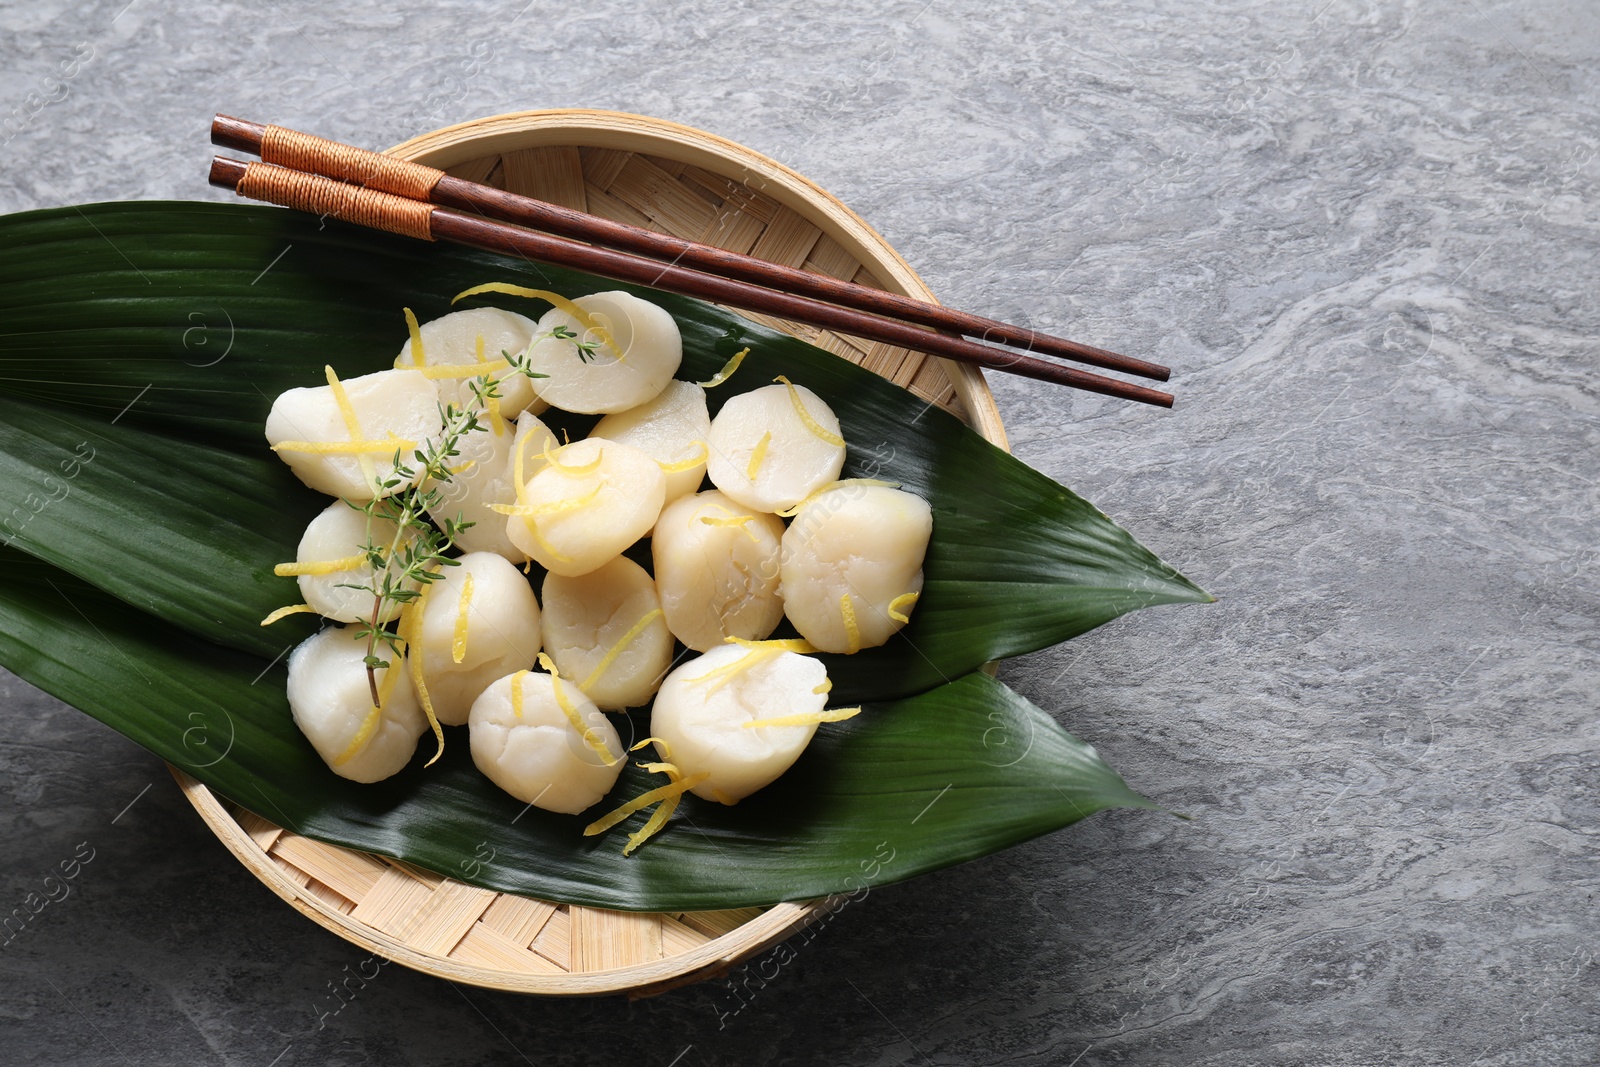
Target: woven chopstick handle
[324, 196]
[302, 151]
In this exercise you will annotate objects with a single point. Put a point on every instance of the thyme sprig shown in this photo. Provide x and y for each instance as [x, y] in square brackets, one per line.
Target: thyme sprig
[586, 349]
[416, 554]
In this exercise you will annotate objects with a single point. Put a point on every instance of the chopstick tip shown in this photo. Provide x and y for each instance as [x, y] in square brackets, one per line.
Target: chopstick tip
[241, 135]
[226, 172]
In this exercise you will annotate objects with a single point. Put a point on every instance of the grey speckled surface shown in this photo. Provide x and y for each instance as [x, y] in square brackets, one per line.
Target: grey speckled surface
[1365, 234]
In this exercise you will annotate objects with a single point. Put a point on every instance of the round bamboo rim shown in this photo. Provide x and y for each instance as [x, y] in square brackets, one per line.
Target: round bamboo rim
[692, 184]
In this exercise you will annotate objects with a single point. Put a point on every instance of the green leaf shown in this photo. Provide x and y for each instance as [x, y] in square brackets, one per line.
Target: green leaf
[182, 531]
[168, 328]
[905, 787]
[140, 348]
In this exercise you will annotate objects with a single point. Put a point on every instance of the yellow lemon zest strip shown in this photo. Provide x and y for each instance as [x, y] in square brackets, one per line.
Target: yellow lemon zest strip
[741, 521]
[723, 798]
[620, 647]
[352, 424]
[590, 738]
[410, 633]
[644, 800]
[491, 402]
[902, 604]
[516, 467]
[465, 370]
[825, 687]
[369, 725]
[851, 630]
[347, 410]
[497, 421]
[730, 519]
[325, 566]
[552, 508]
[757, 456]
[784, 644]
[285, 612]
[805, 416]
[658, 819]
[725, 669]
[806, 718]
[666, 749]
[346, 448]
[418, 357]
[688, 464]
[663, 812]
[458, 647]
[653, 825]
[516, 693]
[790, 513]
[574, 470]
[720, 676]
[727, 370]
[662, 768]
[533, 529]
[754, 658]
[363, 735]
[522, 501]
[586, 320]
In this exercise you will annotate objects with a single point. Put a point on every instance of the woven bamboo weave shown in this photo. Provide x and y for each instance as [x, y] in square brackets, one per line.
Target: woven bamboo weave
[717, 193]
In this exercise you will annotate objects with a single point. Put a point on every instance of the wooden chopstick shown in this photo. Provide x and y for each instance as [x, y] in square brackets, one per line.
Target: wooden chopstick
[417, 218]
[302, 151]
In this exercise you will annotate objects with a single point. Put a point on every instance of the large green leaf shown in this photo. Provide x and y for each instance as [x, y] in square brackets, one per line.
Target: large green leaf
[904, 788]
[178, 323]
[185, 532]
[140, 347]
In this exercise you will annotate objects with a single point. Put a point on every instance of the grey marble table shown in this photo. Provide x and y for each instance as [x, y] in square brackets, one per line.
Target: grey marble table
[1364, 234]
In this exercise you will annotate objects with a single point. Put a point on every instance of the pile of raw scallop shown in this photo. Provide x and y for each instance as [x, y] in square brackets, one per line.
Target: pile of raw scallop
[533, 675]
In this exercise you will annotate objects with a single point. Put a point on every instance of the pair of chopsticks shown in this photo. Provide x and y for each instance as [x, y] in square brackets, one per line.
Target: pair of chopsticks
[298, 170]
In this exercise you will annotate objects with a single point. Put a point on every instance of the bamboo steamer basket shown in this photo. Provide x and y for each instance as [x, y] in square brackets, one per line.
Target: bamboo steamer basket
[693, 184]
